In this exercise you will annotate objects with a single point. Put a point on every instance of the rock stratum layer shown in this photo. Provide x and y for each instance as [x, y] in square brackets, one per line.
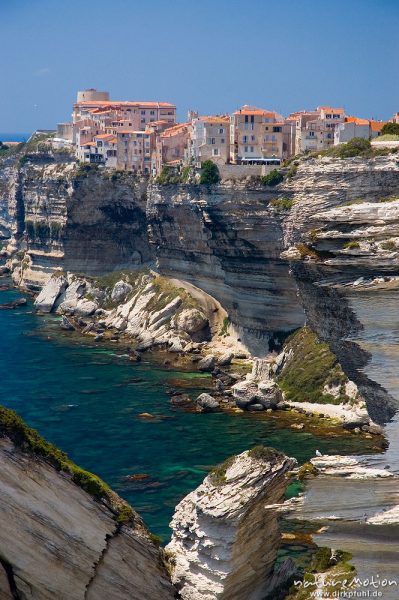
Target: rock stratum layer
[57, 541]
[225, 533]
[271, 269]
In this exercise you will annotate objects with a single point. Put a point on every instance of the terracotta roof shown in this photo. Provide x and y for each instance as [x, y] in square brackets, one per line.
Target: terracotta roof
[252, 110]
[174, 130]
[103, 135]
[357, 121]
[215, 119]
[377, 125]
[331, 109]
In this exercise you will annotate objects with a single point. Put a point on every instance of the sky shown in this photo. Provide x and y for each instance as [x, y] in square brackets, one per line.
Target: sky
[208, 55]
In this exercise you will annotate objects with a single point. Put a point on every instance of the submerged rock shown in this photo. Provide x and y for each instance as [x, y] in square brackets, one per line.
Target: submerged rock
[225, 533]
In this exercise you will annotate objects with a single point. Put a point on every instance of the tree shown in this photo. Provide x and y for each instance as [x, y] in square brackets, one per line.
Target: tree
[209, 172]
[273, 178]
[390, 129]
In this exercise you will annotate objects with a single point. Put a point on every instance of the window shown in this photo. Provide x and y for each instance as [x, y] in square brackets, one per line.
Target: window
[311, 133]
[222, 141]
[215, 152]
[245, 139]
[267, 137]
[142, 112]
[99, 144]
[142, 120]
[213, 141]
[246, 149]
[152, 112]
[221, 130]
[252, 148]
[252, 138]
[277, 129]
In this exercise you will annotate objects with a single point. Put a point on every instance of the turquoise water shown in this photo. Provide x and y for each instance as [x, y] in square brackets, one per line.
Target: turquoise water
[87, 401]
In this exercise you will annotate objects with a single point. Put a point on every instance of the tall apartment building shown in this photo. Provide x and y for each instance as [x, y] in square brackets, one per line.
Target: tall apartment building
[315, 129]
[256, 136]
[209, 139]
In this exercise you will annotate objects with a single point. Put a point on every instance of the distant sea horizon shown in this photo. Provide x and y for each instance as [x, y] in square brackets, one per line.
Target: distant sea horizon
[14, 137]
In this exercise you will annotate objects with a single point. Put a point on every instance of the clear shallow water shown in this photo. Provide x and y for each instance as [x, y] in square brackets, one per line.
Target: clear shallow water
[87, 401]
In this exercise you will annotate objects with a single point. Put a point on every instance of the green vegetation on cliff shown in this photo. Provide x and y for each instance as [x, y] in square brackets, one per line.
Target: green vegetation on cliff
[30, 441]
[310, 366]
[209, 173]
[273, 178]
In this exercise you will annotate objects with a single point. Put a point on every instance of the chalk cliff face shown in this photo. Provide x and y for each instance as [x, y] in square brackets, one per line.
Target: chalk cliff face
[79, 221]
[57, 541]
[225, 533]
[272, 270]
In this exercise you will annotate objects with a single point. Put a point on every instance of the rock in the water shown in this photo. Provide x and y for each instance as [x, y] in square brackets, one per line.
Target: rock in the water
[207, 403]
[225, 533]
[269, 394]
[207, 363]
[176, 345]
[120, 290]
[182, 400]
[47, 297]
[66, 324]
[225, 359]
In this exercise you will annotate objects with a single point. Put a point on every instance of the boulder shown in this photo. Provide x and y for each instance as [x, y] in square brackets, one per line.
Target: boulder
[225, 359]
[269, 394]
[191, 320]
[120, 290]
[175, 345]
[48, 295]
[207, 363]
[85, 308]
[181, 400]
[66, 324]
[207, 403]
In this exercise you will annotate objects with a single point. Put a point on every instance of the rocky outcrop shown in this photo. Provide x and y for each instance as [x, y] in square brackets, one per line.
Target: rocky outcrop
[64, 534]
[225, 533]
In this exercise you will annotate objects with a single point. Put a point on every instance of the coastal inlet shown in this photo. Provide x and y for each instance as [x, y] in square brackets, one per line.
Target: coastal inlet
[88, 401]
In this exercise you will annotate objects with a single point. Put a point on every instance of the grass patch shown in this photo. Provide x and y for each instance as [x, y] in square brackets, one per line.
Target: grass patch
[307, 470]
[352, 245]
[224, 330]
[265, 454]
[218, 473]
[309, 369]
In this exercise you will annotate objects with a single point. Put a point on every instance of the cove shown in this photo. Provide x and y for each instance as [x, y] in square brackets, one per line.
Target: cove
[87, 401]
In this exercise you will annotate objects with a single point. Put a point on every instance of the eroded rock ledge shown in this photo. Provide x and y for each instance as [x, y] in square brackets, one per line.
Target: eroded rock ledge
[225, 533]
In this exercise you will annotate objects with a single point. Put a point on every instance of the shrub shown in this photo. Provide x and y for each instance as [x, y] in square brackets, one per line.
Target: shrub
[282, 204]
[273, 178]
[352, 245]
[306, 251]
[168, 176]
[390, 129]
[225, 326]
[389, 245]
[209, 173]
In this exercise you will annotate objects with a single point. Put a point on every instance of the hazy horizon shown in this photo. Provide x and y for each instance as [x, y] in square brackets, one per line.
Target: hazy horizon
[212, 57]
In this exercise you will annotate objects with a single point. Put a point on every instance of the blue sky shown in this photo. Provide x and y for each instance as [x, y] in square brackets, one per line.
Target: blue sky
[208, 55]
